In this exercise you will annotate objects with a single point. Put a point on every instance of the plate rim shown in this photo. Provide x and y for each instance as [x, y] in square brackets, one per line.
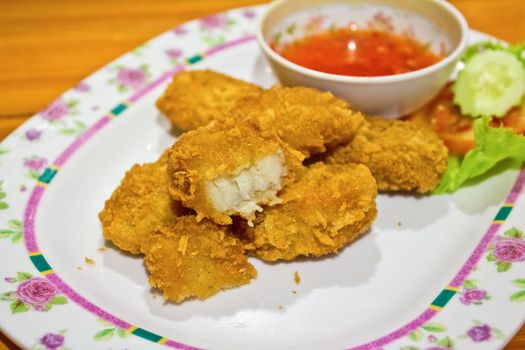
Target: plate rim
[39, 262]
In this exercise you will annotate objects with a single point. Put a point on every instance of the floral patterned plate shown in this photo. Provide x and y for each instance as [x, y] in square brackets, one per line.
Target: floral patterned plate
[435, 272]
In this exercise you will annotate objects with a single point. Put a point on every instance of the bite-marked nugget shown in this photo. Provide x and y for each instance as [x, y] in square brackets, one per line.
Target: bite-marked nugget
[309, 120]
[402, 155]
[326, 209]
[195, 259]
[195, 98]
[229, 168]
[138, 206]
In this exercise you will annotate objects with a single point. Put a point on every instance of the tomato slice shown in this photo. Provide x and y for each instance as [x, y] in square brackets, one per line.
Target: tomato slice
[457, 130]
[515, 119]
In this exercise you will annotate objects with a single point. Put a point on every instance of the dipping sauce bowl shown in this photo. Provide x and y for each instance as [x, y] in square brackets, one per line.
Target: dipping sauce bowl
[435, 24]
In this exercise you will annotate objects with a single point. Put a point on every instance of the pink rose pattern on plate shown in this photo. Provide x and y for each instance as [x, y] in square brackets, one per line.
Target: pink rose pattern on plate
[471, 294]
[133, 78]
[82, 87]
[32, 293]
[128, 79]
[213, 27]
[58, 109]
[174, 55]
[35, 165]
[481, 332]
[51, 341]
[33, 134]
[217, 21]
[506, 250]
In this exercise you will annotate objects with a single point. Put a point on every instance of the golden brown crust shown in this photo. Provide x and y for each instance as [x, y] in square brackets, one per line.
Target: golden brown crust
[307, 119]
[138, 206]
[220, 149]
[195, 98]
[401, 155]
[329, 207]
[195, 259]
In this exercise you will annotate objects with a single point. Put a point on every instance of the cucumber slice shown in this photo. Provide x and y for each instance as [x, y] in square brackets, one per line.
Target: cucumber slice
[491, 83]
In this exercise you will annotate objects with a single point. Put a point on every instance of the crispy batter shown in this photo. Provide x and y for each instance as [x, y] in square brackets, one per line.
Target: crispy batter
[194, 98]
[329, 207]
[220, 149]
[195, 259]
[401, 155]
[307, 119]
[138, 206]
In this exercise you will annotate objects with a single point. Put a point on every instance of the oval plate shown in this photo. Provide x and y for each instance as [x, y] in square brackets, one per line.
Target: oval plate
[436, 271]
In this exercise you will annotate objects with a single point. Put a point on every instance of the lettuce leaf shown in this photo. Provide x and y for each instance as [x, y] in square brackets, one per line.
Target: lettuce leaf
[493, 145]
[516, 49]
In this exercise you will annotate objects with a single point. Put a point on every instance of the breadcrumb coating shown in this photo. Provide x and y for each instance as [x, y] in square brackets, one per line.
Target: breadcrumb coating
[401, 155]
[139, 205]
[195, 259]
[309, 120]
[326, 209]
[218, 150]
[195, 98]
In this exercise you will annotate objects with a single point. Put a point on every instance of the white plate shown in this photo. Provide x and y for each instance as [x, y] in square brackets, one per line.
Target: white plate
[419, 279]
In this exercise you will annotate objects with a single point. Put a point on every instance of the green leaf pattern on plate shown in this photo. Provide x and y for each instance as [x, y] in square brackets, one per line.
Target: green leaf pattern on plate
[3, 203]
[430, 335]
[13, 232]
[518, 296]
[110, 331]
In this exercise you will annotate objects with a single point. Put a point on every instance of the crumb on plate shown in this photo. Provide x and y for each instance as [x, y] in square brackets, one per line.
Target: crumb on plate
[296, 277]
[89, 261]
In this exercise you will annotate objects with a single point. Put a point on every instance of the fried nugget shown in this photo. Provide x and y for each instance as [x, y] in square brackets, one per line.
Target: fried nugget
[307, 119]
[229, 168]
[138, 206]
[195, 98]
[195, 259]
[402, 155]
[329, 207]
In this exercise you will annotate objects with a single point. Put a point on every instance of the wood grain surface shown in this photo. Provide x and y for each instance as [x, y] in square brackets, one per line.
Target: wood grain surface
[48, 46]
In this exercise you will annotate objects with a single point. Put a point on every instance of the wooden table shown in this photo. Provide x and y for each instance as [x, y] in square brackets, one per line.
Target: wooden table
[48, 46]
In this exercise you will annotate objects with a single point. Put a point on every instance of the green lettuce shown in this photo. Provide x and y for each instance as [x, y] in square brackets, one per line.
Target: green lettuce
[516, 49]
[493, 145]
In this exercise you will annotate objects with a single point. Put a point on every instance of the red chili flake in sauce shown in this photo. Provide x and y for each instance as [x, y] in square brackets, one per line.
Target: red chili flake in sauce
[364, 53]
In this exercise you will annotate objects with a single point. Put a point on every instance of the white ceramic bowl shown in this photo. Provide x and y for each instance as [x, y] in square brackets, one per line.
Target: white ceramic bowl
[433, 22]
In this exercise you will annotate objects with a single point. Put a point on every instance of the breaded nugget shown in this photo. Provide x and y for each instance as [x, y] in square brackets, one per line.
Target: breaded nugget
[329, 207]
[307, 119]
[229, 168]
[194, 98]
[402, 156]
[138, 206]
[195, 259]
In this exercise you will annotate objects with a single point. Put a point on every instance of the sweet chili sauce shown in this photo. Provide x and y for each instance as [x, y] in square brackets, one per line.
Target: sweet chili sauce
[365, 53]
